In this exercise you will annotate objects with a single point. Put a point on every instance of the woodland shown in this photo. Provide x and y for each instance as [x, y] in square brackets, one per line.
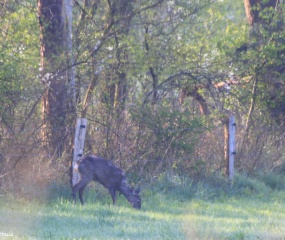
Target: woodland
[156, 79]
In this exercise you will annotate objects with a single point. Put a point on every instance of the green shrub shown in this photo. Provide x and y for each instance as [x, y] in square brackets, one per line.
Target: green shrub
[274, 181]
[245, 185]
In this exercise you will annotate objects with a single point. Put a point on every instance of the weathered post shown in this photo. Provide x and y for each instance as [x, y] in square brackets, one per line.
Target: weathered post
[229, 145]
[232, 152]
[225, 122]
[79, 138]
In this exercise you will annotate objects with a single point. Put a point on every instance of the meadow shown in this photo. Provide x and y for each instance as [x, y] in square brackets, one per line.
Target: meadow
[173, 208]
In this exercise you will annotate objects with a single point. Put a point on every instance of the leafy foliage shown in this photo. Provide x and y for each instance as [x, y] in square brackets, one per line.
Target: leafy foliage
[133, 60]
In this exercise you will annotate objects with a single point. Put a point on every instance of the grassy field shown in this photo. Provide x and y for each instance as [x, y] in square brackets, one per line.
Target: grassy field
[172, 209]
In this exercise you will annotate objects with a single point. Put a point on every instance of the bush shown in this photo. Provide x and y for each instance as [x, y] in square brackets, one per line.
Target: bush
[245, 185]
[179, 187]
[274, 181]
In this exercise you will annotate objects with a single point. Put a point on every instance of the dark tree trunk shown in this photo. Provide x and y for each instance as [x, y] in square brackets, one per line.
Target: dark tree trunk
[53, 49]
[268, 15]
[121, 11]
[253, 9]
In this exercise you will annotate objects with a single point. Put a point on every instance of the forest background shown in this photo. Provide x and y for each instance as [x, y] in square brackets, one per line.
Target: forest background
[156, 80]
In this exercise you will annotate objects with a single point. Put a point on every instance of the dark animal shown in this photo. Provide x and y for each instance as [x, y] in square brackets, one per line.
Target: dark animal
[110, 176]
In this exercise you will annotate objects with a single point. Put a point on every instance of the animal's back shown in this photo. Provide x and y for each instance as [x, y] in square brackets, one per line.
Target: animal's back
[101, 170]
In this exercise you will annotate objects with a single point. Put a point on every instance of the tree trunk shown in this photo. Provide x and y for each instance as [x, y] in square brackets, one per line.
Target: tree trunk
[55, 49]
[155, 95]
[120, 10]
[254, 7]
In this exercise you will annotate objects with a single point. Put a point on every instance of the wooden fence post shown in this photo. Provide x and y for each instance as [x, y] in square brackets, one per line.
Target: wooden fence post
[79, 138]
[229, 145]
[226, 144]
[232, 152]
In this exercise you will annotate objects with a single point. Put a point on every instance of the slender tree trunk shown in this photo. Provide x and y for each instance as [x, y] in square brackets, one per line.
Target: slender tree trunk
[252, 104]
[120, 10]
[155, 95]
[88, 94]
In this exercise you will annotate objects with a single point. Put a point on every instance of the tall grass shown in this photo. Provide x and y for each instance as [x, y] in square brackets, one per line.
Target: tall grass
[173, 208]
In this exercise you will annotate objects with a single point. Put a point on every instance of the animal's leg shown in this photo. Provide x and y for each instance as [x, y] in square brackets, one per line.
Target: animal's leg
[81, 193]
[112, 191]
[83, 182]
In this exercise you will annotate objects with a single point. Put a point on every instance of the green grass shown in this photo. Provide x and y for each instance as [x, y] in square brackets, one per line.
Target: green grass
[172, 209]
[236, 219]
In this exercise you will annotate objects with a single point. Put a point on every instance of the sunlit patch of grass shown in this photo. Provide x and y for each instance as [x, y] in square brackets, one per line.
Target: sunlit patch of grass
[97, 221]
[61, 219]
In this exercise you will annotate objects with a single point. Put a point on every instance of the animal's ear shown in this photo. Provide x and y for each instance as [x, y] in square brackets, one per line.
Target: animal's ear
[137, 191]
